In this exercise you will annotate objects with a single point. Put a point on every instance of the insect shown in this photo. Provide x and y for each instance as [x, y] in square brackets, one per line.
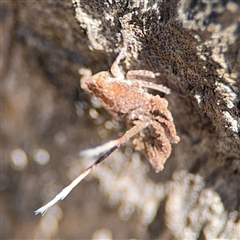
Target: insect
[150, 123]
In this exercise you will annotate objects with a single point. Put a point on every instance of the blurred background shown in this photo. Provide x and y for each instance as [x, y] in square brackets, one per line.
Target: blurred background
[46, 120]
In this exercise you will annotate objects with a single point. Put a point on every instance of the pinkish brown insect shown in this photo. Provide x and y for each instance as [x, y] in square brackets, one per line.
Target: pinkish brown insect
[150, 122]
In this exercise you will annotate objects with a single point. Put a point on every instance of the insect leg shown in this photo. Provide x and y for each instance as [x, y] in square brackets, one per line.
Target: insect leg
[74, 183]
[86, 74]
[154, 86]
[134, 74]
[115, 144]
[115, 70]
[97, 151]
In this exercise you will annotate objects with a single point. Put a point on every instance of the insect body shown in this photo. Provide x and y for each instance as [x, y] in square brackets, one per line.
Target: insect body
[150, 123]
[124, 99]
[128, 101]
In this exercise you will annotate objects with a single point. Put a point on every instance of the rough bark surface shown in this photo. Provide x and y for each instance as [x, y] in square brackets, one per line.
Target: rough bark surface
[46, 119]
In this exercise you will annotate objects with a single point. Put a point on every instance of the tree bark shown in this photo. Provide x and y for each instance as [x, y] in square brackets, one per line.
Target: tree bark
[47, 119]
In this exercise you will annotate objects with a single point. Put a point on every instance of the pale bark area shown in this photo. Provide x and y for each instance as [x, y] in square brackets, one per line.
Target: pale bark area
[195, 48]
